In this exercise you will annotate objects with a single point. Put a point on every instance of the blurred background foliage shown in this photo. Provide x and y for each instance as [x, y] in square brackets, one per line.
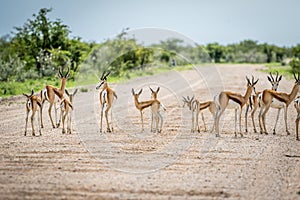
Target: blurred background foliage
[31, 55]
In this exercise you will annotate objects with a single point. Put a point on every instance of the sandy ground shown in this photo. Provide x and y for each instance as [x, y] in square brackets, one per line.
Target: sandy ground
[131, 164]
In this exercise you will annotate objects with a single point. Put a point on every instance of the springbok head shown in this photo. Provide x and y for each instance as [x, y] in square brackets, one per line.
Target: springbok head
[136, 95]
[71, 95]
[63, 76]
[297, 78]
[274, 81]
[251, 84]
[30, 95]
[103, 79]
[154, 93]
[188, 101]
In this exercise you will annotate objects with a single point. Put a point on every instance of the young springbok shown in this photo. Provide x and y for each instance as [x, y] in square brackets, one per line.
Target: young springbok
[297, 106]
[66, 107]
[141, 105]
[222, 101]
[255, 101]
[50, 94]
[196, 107]
[33, 103]
[156, 108]
[267, 98]
[107, 96]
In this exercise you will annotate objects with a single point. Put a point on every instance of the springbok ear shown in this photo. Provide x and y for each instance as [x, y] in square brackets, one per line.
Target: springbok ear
[132, 91]
[157, 89]
[192, 98]
[151, 89]
[248, 81]
[25, 95]
[269, 79]
[67, 92]
[255, 82]
[184, 99]
[32, 92]
[140, 92]
[279, 79]
[75, 91]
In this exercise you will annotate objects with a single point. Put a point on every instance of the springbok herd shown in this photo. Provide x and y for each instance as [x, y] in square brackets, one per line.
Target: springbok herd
[252, 100]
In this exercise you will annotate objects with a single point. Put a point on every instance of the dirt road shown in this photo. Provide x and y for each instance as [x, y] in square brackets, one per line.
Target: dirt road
[130, 164]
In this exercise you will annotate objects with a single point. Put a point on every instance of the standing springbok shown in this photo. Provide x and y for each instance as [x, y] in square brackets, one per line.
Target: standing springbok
[66, 107]
[196, 107]
[267, 98]
[141, 105]
[255, 101]
[297, 106]
[156, 108]
[53, 95]
[107, 96]
[33, 103]
[222, 101]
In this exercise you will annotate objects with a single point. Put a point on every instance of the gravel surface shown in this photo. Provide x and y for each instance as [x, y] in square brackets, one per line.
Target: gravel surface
[131, 164]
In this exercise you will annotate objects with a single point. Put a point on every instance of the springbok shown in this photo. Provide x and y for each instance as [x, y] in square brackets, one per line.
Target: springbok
[222, 101]
[50, 94]
[196, 107]
[156, 108]
[255, 101]
[33, 103]
[267, 98]
[141, 105]
[66, 107]
[297, 106]
[107, 96]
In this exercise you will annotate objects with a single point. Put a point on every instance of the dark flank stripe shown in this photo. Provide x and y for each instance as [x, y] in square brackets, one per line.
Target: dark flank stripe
[204, 105]
[235, 99]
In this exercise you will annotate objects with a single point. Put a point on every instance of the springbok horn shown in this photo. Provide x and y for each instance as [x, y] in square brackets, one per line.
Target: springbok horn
[271, 76]
[68, 73]
[107, 74]
[102, 76]
[276, 76]
[59, 73]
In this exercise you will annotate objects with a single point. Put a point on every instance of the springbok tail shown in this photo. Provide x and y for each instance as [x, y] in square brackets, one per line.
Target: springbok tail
[115, 95]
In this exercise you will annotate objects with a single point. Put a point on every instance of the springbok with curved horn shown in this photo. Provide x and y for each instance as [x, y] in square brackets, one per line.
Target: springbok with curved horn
[255, 101]
[267, 98]
[49, 93]
[33, 103]
[107, 96]
[223, 98]
[196, 107]
[66, 107]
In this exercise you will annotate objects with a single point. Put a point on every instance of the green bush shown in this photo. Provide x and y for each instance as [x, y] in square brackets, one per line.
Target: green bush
[295, 65]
